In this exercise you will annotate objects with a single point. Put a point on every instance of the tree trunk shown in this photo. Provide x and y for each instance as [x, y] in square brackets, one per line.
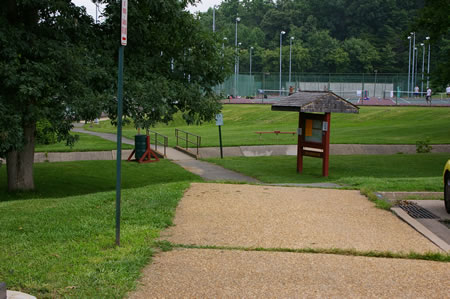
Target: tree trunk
[19, 165]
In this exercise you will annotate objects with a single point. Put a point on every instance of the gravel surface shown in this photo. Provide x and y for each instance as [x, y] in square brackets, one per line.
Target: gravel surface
[289, 217]
[194, 273]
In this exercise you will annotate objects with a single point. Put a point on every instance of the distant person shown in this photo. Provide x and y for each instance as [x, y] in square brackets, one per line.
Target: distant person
[291, 90]
[428, 97]
[416, 91]
[447, 90]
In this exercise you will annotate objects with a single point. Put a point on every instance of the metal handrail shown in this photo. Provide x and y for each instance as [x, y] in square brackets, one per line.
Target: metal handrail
[186, 138]
[156, 141]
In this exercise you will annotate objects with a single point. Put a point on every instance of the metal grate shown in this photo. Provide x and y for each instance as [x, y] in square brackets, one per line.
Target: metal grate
[416, 211]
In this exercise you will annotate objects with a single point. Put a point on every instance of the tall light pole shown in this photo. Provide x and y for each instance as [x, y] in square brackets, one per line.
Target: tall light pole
[290, 57]
[223, 55]
[415, 66]
[281, 39]
[423, 63]
[413, 59]
[251, 48]
[251, 80]
[375, 85]
[214, 18]
[428, 70]
[409, 64]
[235, 60]
[238, 56]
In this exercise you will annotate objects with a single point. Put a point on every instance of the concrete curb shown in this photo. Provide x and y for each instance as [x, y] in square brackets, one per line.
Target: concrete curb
[421, 229]
[79, 156]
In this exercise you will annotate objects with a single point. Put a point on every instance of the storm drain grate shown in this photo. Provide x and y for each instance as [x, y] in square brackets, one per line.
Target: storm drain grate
[416, 211]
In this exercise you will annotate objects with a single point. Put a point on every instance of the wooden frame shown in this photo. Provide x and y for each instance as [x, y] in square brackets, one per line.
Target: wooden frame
[324, 145]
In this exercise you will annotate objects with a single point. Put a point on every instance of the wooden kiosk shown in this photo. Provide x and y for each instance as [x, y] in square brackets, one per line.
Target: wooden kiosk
[315, 108]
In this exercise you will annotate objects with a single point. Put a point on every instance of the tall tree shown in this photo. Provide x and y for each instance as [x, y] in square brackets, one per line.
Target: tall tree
[172, 63]
[56, 64]
[43, 45]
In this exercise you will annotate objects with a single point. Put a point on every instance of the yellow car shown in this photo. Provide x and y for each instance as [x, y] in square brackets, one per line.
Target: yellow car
[447, 186]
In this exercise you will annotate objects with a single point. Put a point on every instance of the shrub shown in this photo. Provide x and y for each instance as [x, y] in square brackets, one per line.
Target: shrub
[45, 133]
[423, 146]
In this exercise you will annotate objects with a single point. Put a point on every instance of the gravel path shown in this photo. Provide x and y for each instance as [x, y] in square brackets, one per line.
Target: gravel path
[289, 217]
[192, 273]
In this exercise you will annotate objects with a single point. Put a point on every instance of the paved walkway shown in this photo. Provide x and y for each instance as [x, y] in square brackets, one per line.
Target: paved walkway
[242, 235]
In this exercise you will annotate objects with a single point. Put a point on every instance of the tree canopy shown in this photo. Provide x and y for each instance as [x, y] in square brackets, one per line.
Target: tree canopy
[357, 36]
[57, 65]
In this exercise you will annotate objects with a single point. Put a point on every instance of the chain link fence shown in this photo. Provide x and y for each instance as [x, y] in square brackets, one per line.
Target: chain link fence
[346, 85]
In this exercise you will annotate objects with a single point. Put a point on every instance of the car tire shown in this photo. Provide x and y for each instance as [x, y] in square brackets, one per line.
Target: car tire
[447, 192]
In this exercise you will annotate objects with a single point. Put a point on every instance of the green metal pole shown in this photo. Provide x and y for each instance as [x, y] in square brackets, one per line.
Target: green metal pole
[220, 140]
[119, 142]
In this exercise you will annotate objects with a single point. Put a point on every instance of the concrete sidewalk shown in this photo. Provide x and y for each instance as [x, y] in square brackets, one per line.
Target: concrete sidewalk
[280, 218]
[207, 171]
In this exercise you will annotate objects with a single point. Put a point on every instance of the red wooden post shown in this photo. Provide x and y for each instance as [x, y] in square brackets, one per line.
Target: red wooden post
[300, 144]
[326, 145]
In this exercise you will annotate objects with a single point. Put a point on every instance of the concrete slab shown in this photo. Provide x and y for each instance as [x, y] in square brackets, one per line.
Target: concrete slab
[418, 226]
[79, 156]
[18, 295]
[212, 172]
[437, 207]
[289, 217]
[203, 273]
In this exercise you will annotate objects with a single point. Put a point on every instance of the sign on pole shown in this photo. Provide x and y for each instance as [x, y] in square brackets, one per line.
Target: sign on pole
[219, 119]
[123, 27]
[219, 122]
[123, 41]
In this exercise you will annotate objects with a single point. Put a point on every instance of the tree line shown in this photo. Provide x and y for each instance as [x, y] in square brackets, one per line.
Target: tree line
[347, 36]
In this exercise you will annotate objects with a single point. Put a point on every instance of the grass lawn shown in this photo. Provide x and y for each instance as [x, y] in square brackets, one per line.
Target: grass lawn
[85, 177]
[61, 243]
[373, 125]
[419, 172]
[85, 143]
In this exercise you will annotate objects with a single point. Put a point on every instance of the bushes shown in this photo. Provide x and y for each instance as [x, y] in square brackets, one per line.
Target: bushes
[45, 133]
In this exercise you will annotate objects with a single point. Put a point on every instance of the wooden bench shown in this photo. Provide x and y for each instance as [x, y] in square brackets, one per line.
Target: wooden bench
[275, 132]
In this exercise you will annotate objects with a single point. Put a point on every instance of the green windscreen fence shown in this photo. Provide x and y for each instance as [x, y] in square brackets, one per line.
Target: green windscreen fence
[346, 85]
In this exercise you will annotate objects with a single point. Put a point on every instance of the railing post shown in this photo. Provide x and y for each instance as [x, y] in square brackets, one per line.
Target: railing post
[165, 145]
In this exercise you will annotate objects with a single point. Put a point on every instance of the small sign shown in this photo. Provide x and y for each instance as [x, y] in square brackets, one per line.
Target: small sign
[299, 131]
[324, 126]
[124, 23]
[219, 119]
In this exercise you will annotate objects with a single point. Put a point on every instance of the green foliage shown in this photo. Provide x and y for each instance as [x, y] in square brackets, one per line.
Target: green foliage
[44, 132]
[353, 35]
[172, 64]
[57, 65]
[423, 146]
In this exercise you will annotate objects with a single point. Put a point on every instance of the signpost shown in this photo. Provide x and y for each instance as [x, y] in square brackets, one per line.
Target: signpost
[123, 42]
[219, 122]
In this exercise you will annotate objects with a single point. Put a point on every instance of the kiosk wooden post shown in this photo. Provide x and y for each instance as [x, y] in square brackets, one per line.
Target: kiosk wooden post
[313, 126]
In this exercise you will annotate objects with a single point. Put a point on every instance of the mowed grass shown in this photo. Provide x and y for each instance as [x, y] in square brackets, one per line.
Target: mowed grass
[86, 177]
[373, 125]
[85, 143]
[60, 244]
[419, 172]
